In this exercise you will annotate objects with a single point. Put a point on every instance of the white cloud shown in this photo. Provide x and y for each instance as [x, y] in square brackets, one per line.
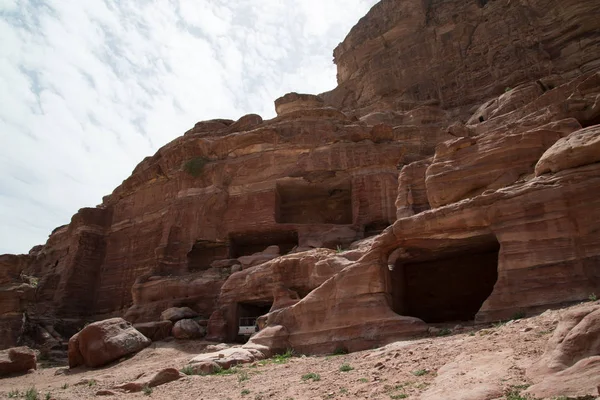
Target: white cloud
[89, 88]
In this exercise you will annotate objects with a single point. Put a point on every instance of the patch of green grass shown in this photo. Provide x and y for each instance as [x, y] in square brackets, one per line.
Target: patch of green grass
[64, 386]
[518, 315]
[48, 396]
[188, 370]
[420, 372]
[283, 358]
[147, 390]
[221, 371]
[92, 382]
[32, 394]
[311, 376]
[13, 394]
[343, 391]
[340, 351]
[195, 166]
[346, 367]
[592, 297]
[444, 332]
[363, 380]
[243, 376]
[498, 324]
[245, 392]
[471, 333]
[514, 393]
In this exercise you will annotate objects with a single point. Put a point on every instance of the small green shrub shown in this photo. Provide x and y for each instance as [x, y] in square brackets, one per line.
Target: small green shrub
[147, 390]
[13, 394]
[32, 394]
[48, 396]
[243, 376]
[346, 368]
[188, 370]
[283, 358]
[339, 249]
[195, 166]
[92, 382]
[593, 297]
[245, 392]
[420, 372]
[507, 89]
[311, 376]
[343, 390]
[363, 380]
[514, 393]
[444, 332]
[340, 351]
[64, 386]
[518, 315]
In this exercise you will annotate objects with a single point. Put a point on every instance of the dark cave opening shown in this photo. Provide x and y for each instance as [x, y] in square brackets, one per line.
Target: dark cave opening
[203, 253]
[589, 122]
[449, 287]
[246, 244]
[311, 204]
[375, 228]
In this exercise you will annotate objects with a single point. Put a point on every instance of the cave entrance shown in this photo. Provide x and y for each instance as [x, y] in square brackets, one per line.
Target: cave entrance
[300, 203]
[448, 287]
[246, 244]
[247, 316]
[204, 252]
[375, 228]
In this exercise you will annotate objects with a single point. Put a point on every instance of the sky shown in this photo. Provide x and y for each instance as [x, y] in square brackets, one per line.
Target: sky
[89, 88]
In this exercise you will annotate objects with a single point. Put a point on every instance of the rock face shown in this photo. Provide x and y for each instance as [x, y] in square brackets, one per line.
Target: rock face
[571, 364]
[187, 329]
[105, 341]
[17, 360]
[452, 175]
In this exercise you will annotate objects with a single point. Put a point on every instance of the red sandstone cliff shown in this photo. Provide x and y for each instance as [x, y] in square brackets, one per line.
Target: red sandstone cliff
[458, 123]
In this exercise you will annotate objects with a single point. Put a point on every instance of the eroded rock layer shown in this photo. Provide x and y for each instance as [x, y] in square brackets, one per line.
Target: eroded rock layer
[452, 175]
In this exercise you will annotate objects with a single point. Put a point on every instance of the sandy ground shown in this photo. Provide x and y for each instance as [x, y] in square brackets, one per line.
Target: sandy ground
[479, 362]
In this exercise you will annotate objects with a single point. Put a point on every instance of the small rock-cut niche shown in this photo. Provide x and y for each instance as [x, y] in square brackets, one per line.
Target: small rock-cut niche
[446, 287]
[203, 253]
[299, 203]
[246, 244]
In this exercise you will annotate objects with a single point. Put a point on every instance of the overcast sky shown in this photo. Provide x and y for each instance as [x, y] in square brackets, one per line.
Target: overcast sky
[89, 88]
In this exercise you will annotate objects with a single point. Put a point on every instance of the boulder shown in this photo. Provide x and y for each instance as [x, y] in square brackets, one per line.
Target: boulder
[581, 147]
[17, 360]
[174, 314]
[188, 329]
[571, 363]
[152, 380]
[102, 342]
[156, 330]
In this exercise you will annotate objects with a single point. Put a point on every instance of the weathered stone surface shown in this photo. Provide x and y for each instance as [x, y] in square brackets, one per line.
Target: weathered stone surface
[226, 358]
[571, 364]
[187, 329]
[152, 380]
[412, 193]
[466, 167]
[17, 360]
[579, 148]
[296, 102]
[156, 330]
[102, 342]
[174, 314]
[453, 53]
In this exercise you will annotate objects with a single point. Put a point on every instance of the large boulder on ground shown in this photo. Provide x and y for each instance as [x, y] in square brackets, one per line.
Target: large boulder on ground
[156, 330]
[570, 365]
[174, 314]
[101, 342]
[188, 329]
[17, 360]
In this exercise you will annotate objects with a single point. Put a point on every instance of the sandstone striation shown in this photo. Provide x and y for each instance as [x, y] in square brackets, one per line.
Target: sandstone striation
[451, 176]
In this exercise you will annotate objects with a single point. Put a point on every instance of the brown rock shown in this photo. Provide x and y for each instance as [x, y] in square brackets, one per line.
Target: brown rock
[102, 342]
[155, 331]
[187, 329]
[579, 148]
[570, 365]
[17, 360]
[159, 378]
[175, 314]
[294, 101]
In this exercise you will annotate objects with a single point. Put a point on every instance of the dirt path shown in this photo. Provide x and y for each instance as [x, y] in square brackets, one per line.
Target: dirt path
[479, 362]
